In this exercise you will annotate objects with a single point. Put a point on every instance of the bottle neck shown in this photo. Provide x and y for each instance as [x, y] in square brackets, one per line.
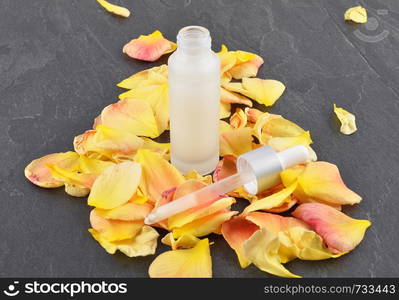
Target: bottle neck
[193, 40]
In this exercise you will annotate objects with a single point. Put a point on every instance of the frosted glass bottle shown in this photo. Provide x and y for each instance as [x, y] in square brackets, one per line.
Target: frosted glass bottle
[194, 97]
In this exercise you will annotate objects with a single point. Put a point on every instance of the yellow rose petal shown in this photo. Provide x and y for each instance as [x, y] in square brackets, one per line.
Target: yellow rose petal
[263, 91]
[115, 9]
[236, 142]
[185, 241]
[262, 249]
[39, 174]
[186, 263]
[143, 244]
[114, 230]
[357, 14]
[272, 201]
[348, 120]
[115, 186]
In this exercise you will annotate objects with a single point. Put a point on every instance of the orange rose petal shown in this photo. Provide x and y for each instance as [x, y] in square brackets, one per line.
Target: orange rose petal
[236, 231]
[39, 174]
[114, 230]
[158, 175]
[225, 168]
[247, 69]
[274, 223]
[239, 119]
[253, 114]
[149, 47]
[340, 232]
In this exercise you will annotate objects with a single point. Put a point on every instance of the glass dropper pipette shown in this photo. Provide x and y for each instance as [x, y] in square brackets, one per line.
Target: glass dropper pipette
[257, 170]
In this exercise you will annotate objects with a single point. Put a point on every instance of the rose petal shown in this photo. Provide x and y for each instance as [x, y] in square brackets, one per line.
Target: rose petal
[133, 115]
[231, 97]
[114, 230]
[195, 175]
[144, 243]
[284, 207]
[227, 61]
[205, 225]
[274, 223]
[149, 47]
[155, 92]
[225, 110]
[248, 66]
[203, 210]
[357, 14]
[238, 119]
[72, 177]
[348, 120]
[340, 232]
[253, 114]
[76, 191]
[298, 242]
[115, 186]
[272, 201]
[145, 77]
[158, 175]
[283, 143]
[262, 250]
[161, 148]
[236, 231]
[321, 181]
[89, 165]
[115, 9]
[263, 91]
[39, 174]
[185, 241]
[236, 142]
[129, 211]
[108, 143]
[194, 262]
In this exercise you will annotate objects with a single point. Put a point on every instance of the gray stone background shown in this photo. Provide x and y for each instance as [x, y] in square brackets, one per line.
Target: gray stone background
[60, 61]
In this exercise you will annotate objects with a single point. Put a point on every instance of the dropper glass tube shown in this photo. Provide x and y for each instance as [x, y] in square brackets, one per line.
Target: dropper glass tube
[257, 170]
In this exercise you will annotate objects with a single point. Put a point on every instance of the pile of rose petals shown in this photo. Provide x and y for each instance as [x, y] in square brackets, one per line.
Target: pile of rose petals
[125, 174]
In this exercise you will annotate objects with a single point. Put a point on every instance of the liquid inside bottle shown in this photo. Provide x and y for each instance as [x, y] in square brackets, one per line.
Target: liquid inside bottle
[194, 97]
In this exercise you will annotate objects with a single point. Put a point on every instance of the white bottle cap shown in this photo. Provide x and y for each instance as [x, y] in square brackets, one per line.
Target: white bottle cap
[265, 165]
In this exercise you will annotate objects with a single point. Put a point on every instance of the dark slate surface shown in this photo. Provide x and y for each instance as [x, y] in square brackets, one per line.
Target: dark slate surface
[60, 60]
